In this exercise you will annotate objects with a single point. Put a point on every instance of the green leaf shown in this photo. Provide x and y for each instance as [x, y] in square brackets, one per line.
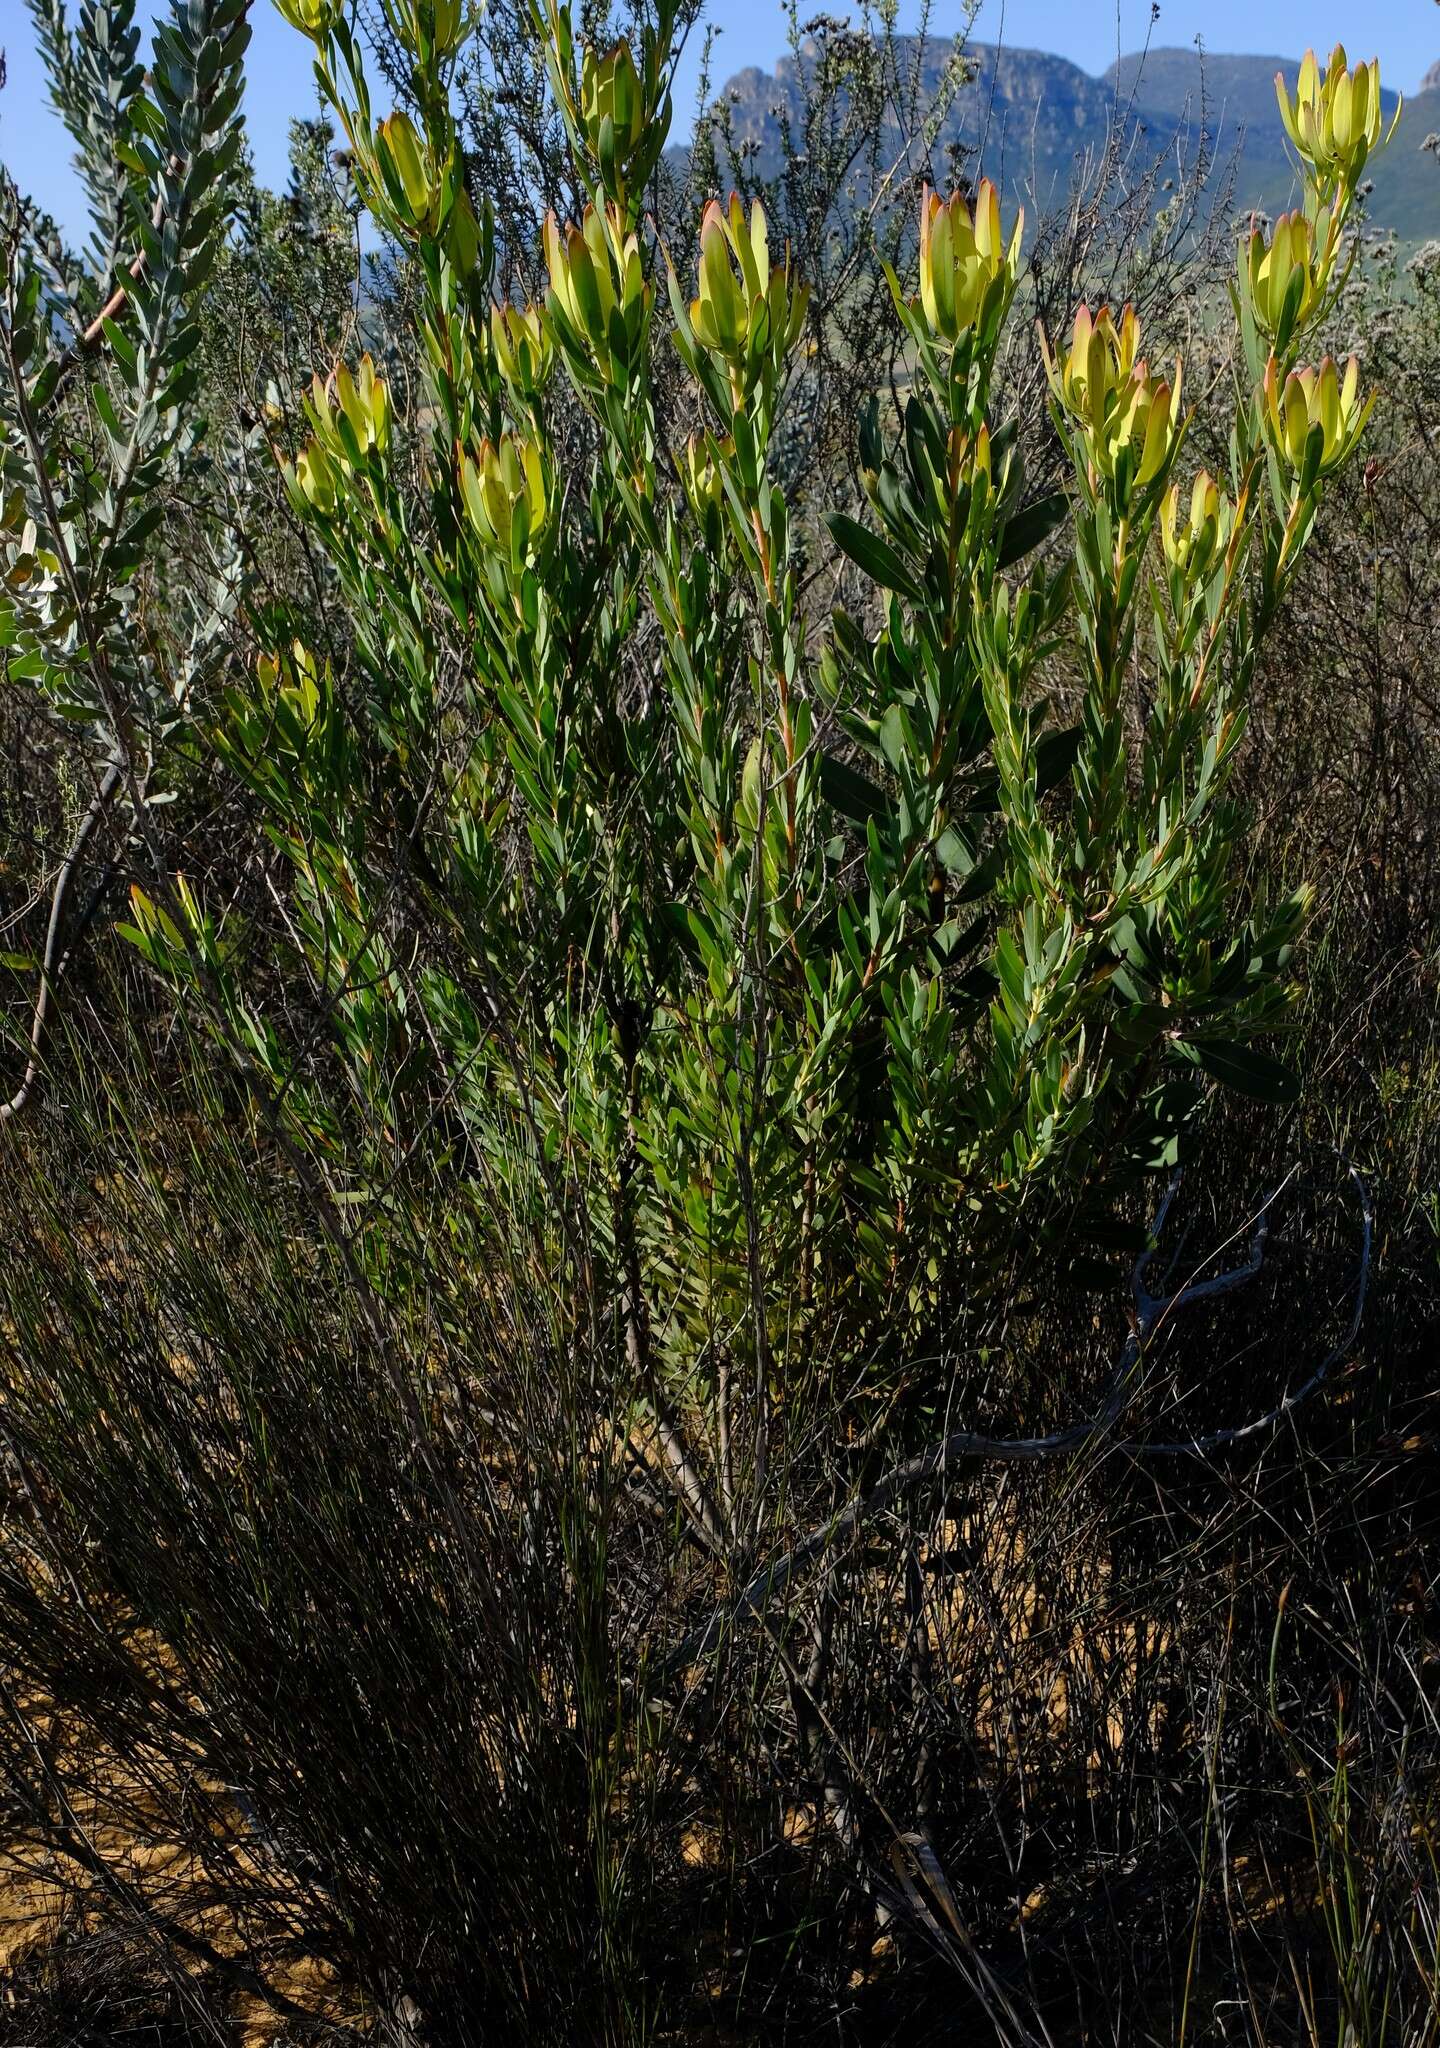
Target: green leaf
[984, 875]
[1028, 528]
[1011, 969]
[144, 524]
[1055, 755]
[895, 741]
[881, 562]
[1245, 1069]
[44, 386]
[955, 851]
[678, 921]
[850, 793]
[1162, 1119]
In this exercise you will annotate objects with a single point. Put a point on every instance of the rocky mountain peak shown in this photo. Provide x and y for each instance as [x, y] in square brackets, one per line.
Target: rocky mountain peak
[1037, 124]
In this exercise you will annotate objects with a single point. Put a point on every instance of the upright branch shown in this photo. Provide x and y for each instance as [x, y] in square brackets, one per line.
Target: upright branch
[809, 976]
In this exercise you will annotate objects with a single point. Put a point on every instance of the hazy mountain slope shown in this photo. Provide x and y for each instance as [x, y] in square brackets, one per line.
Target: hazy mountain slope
[1027, 118]
[1407, 178]
[1237, 95]
[1233, 98]
[1025, 114]
[1239, 89]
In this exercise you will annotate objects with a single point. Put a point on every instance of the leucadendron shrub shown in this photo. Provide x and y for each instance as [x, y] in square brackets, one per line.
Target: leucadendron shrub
[822, 968]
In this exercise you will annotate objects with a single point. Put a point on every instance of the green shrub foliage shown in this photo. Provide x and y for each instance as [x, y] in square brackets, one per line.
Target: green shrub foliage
[822, 967]
[683, 953]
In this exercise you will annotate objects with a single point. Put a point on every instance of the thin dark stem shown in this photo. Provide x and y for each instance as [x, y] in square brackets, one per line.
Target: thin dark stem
[52, 964]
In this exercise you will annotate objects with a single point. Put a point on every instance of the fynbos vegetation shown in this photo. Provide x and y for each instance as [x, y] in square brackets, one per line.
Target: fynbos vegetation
[684, 1272]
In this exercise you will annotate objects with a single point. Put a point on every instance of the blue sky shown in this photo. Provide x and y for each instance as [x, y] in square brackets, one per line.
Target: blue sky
[1404, 34]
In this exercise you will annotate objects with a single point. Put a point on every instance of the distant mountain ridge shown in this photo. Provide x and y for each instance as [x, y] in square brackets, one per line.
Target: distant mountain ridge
[1028, 118]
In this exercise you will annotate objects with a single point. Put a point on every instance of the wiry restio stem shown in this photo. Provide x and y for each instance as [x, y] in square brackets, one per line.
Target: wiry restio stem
[966, 1446]
[53, 960]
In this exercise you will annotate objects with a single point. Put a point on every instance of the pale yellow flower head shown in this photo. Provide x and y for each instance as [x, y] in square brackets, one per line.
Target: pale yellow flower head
[1125, 415]
[700, 477]
[362, 401]
[295, 681]
[428, 26]
[1333, 117]
[595, 271]
[1283, 277]
[1195, 542]
[742, 299]
[1322, 403]
[611, 92]
[961, 256]
[409, 172]
[313, 18]
[524, 351]
[316, 480]
[506, 491]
